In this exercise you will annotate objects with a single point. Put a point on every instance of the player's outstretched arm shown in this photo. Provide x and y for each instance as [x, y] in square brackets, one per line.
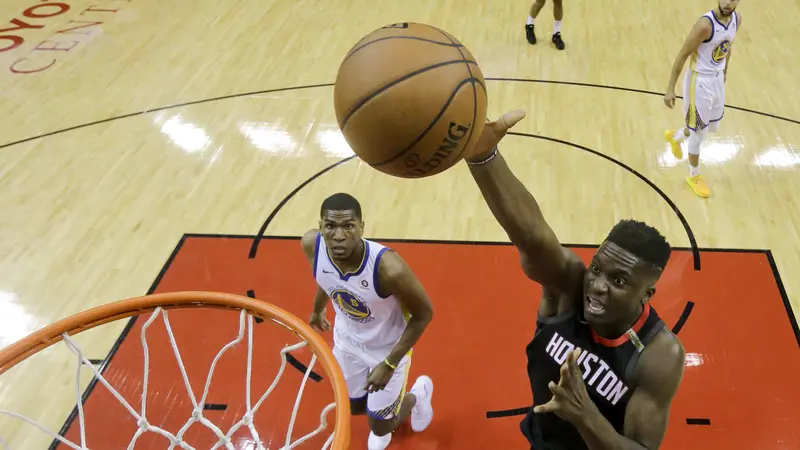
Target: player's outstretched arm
[318, 321]
[543, 258]
[702, 31]
[396, 278]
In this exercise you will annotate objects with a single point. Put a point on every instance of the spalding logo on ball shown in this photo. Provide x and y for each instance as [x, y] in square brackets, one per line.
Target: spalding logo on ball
[410, 100]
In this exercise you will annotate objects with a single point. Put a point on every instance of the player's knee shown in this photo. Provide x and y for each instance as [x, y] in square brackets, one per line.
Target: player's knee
[556, 3]
[695, 139]
[539, 3]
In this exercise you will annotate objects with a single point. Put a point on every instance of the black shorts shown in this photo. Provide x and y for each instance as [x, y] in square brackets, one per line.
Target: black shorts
[567, 439]
[530, 430]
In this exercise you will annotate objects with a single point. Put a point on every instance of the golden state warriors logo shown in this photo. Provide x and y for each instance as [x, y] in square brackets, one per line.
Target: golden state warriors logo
[720, 52]
[352, 306]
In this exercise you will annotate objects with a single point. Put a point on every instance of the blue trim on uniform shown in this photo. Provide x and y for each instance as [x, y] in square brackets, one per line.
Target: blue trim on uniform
[346, 276]
[720, 23]
[375, 415]
[316, 253]
[356, 399]
[375, 272]
[712, 30]
[717, 120]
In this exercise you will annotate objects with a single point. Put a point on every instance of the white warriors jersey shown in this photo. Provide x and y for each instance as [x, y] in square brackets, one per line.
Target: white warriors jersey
[712, 54]
[361, 313]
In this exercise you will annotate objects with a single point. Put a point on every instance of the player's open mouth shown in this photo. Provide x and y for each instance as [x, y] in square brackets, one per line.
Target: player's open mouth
[593, 306]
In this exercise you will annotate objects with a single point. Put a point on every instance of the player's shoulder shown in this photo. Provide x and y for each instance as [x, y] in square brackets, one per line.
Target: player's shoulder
[309, 241]
[393, 269]
[575, 269]
[662, 361]
[705, 22]
[390, 264]
[573, 260]
[738, 18]
[573, 264]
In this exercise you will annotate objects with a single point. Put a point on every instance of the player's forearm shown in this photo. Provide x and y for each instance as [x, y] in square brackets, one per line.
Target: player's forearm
[598, 434]
[414, 328]
[677, 68]
[510, 202]
[320, 300]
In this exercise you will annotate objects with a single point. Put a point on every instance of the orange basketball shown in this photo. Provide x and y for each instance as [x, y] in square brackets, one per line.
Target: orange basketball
[410, 100]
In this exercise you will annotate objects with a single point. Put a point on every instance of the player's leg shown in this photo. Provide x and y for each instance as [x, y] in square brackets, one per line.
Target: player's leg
[698, 112]
[355, 372]
[389, 407]
[718, 105]
[530, 34]
[558, 15]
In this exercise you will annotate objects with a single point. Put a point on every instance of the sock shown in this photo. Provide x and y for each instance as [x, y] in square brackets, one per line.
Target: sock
[680, 135]
[695, 139]
[530, 21]
[557, 27]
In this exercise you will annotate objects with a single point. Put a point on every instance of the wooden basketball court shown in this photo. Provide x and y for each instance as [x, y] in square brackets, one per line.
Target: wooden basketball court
[147, 146]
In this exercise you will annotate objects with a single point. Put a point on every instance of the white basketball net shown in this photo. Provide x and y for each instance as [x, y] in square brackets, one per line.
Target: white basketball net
[176, 440]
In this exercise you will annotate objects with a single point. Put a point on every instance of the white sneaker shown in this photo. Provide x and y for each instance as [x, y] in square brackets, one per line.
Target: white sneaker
[376, 442]
[422, 412]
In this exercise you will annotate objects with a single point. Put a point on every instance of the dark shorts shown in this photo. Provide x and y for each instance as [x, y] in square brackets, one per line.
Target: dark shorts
[532, 431]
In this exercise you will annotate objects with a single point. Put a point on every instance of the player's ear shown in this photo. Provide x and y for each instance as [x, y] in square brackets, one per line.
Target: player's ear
[648, 294]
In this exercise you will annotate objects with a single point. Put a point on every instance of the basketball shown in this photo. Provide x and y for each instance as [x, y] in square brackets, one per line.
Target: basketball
[410, 100]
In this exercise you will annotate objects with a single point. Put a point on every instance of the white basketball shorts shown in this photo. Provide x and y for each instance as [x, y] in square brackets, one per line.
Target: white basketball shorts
[356, 361]
[703, 100]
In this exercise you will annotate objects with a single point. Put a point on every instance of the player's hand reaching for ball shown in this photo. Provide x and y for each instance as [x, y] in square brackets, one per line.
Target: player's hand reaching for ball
[319, 322]
[492, 133]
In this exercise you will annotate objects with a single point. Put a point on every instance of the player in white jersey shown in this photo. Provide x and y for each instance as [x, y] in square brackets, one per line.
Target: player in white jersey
[709, 44]
[381, 310]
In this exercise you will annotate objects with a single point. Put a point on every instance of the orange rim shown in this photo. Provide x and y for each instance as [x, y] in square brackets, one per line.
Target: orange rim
[86, 320]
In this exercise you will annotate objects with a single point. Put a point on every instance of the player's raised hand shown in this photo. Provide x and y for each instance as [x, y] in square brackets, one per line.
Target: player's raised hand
[570, 398]
[669, 99]
[493, 132]
[319, 322]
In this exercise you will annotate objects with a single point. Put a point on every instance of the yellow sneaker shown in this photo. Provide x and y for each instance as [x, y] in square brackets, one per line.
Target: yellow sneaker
[676, 146]
[699, 186]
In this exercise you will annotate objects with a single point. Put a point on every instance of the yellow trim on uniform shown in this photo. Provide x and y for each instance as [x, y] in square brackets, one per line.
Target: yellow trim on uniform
[693, 61]
[691, 121]
[358, 269]
[406, 313]
[406, 371]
